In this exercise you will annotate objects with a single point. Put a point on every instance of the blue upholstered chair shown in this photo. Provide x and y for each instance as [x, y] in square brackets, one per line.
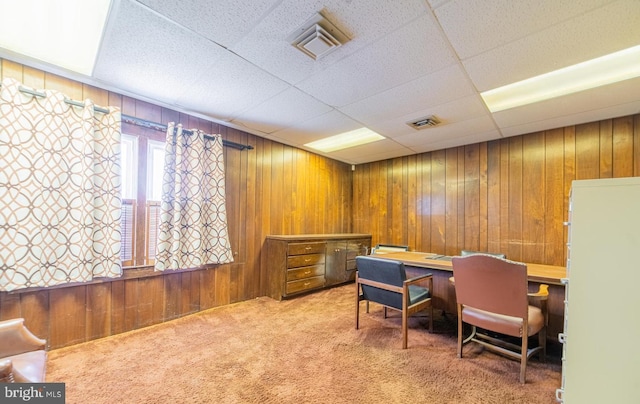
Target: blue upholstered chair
[385, 282]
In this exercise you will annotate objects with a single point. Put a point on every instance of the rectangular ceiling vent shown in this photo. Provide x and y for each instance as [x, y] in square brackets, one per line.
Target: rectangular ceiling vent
[317, 37]
[423, 123]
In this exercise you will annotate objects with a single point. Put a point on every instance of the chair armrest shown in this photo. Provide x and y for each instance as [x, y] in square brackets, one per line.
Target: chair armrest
[541, 294]
[15, 338]
[417, 279]
[6, 371]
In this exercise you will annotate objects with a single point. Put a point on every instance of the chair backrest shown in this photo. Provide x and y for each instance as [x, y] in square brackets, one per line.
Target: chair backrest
[492, 284]
[464, 253]
[384, 271]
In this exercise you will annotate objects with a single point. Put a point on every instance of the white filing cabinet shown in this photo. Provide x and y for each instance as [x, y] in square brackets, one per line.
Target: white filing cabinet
[601, 339]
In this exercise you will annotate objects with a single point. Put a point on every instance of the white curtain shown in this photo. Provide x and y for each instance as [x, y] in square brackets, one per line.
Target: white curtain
[59, 190]
[193, 220]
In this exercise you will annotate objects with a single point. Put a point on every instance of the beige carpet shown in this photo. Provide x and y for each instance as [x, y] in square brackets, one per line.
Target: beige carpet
[303, 350]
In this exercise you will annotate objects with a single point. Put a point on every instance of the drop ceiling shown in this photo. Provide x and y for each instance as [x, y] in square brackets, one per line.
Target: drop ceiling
[230, 61]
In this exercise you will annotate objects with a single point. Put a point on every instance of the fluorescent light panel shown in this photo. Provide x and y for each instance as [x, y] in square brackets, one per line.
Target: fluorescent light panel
[345, 140]
[593, 73]
[65, 33]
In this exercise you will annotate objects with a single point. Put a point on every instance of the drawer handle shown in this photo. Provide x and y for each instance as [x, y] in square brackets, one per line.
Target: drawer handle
[307, 259]
[307, 248]
[307, 283]
[307, 273]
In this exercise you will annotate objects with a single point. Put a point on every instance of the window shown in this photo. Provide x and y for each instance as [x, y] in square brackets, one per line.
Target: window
[129, 157]
[142, 167]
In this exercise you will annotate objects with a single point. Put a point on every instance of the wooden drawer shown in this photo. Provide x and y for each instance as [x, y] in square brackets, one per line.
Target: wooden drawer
[357, 247]
[305, 272]
[304, 260]
[305, 284]
[306, 248]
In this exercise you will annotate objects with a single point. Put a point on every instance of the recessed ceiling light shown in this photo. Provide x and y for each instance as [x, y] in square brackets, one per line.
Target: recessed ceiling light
[607, 69]
[345, 140]
[64, 33]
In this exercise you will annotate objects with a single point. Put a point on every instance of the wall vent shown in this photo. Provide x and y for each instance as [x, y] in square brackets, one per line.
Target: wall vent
[317, 37]
[423, 123]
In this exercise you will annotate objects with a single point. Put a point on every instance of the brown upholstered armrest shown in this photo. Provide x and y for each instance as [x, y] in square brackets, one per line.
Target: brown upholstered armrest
[541, 294]
[6, 371]
[17, 339]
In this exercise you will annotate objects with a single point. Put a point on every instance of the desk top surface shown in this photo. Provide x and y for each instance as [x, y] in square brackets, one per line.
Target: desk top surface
[536, 272]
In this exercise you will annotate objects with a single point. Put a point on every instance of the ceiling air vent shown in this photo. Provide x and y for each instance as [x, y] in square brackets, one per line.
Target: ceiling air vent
[317, 37]
[423, 123]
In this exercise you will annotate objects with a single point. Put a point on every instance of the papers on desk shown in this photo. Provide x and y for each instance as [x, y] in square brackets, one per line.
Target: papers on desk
[439, 257]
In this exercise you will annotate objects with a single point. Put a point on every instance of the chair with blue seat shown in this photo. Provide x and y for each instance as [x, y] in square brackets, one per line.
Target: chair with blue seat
[385, 282]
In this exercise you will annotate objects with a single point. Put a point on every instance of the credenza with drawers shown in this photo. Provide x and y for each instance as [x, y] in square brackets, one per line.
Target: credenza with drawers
[302, 263]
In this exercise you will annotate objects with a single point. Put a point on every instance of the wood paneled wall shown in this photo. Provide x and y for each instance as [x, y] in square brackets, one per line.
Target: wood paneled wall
[508, 195]
[273, 189]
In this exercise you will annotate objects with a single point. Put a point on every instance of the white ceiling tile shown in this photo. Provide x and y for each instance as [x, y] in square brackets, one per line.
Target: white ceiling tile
[220, 21]
[476, 26]
[320, 127]
[476, 137]
[381, 150]
[606, 30]
[440, 87]
[230, 85]
[414, 50]
[269, 117]
[159, 62]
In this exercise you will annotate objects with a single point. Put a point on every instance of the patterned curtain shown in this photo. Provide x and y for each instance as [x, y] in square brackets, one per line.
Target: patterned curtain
[193, 219]
[59, 190]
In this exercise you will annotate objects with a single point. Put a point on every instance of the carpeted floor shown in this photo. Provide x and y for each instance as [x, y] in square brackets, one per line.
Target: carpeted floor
[303, 350]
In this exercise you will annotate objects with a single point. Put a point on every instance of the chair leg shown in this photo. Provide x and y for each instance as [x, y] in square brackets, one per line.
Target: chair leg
[430, 318]
[459, 331]
[523, 358]
[405, 320]
[357, 312]
[542, 341]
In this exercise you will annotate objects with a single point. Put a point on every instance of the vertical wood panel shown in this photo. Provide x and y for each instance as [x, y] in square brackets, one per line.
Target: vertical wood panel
[533, 196]
[516, 209]
[451, 202]
[471, 198]
[98, 311]
[438, 202]
[68, 316]
[34, 309]
[554, 199]
[588, 151]
[622, 147]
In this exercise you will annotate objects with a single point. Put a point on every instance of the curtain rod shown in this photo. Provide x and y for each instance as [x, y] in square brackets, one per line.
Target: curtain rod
[67, 100]
[163, 128]
[130, 119]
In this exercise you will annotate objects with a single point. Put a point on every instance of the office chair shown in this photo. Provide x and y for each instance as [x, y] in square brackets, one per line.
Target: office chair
[385, 282]
[492, 294]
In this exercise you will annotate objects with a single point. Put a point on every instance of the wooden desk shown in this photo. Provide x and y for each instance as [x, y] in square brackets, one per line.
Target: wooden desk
[548, 274]
[443, 294]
